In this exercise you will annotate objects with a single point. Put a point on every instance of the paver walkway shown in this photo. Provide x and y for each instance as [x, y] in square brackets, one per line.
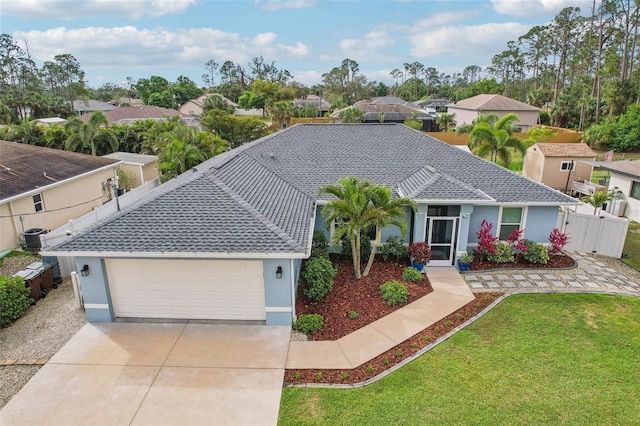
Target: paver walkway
[450, 293]
[594, 273]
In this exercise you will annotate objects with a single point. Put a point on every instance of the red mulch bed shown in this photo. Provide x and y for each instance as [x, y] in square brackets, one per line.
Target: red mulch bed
[361, 296]
[396, 354]
[555, 262]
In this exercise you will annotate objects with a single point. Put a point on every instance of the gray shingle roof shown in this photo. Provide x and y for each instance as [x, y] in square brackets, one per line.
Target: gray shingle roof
[260, 197]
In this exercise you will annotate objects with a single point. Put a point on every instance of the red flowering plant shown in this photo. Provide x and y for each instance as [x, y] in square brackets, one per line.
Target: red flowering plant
[516, 241]
[558, 240]
[486, 241]
[420, 252]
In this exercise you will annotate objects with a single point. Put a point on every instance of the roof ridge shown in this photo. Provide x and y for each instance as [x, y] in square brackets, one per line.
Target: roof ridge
[283, 235]
[465, 185]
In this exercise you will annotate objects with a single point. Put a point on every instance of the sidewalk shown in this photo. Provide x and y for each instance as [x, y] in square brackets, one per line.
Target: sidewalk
[594, 274]
[450, 293]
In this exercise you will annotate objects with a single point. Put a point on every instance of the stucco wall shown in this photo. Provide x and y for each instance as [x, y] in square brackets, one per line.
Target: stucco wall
[533, 164]
[62, 203]
[540, 222]
[527, 119]
[278, 291]
[95, 290]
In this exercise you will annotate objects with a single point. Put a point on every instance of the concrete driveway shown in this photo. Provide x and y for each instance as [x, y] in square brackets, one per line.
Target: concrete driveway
[158, 374]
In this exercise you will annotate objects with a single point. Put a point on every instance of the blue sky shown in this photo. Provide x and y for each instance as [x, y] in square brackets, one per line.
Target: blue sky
[114, 39]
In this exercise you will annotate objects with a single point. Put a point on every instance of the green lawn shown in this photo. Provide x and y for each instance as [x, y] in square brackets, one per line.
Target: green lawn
[534, 359]
[631, 248]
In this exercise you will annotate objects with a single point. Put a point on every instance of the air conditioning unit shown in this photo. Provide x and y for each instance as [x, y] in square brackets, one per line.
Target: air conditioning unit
[617, 207]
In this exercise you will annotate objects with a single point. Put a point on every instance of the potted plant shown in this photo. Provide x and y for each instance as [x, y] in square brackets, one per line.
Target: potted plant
[465, 259]
[420, 254]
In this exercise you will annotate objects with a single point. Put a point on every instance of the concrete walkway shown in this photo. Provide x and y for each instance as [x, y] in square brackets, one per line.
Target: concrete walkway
[594, 274]
[158, 374]
[450, 293]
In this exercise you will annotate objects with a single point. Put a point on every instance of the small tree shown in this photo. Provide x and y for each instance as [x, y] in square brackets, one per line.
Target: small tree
[597, 199]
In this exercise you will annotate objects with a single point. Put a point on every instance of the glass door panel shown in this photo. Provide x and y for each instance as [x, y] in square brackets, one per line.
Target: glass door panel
[441, 235]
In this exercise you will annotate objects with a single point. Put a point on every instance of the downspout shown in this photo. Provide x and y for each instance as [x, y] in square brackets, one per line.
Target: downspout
[293, 291]
[142, 182]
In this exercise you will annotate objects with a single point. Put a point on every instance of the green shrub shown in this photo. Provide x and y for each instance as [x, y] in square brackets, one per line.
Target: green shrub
[503, 253]
[365, 248]
[412, 275]
[394, 292]
[535, 253]
[14, 299]
[318, 273]
[319, 245]
[394, 249]
[353, 315]
[308, 323]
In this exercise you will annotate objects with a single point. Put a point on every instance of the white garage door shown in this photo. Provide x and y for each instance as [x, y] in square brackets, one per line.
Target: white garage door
[186, 289]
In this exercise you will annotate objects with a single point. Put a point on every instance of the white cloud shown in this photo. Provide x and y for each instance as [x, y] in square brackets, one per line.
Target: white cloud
[371, 45]
[151, 50]
[273, 5]
[473, 41]
[308, 78]
[533, 8]
[71, 9]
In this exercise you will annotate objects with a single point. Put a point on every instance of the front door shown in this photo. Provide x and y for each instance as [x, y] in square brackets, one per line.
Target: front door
[441, 237]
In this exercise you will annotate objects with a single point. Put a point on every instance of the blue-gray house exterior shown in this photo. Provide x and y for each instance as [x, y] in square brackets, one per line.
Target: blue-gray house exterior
[256, 207]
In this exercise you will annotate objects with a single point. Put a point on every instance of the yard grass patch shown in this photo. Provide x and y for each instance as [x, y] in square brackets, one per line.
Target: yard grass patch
[534, 359]
[631, 248]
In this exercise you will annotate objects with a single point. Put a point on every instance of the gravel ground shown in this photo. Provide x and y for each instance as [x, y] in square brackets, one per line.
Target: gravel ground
[40, 333]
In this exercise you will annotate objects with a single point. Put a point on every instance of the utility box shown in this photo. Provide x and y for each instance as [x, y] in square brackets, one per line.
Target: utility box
[618, 207]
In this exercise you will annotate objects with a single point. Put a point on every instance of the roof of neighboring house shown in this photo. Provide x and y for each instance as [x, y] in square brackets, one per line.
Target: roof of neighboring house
[129, 113]
[394, 109]
[200, 100]
[313, 100]
[51, 120]
[259, 199]
[492, 103]
[83, 106]
[440, 102]
[564, 149]
[132, 158]
[24, 168]
[624, 167]
[130, 101]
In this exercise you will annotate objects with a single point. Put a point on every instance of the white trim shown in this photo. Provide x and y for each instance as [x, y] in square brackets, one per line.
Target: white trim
[173, 255]
[62, 182]
[293, 291]
[523, 218]
[277, 309]
[96, 306]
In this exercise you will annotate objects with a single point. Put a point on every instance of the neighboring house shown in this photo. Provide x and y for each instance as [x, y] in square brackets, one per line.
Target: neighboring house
[314, 100]
[226, 240]
[469, 109]
[625, 177]
[194, 107]
[142, 166]
[395, 110]
[123, 101]
[557, 164]
[432, 103]
[86, 107]
[50, 120]
[43, 188]
[131, 114]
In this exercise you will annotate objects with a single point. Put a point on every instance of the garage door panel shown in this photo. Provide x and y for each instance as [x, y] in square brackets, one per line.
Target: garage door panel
[186, 289]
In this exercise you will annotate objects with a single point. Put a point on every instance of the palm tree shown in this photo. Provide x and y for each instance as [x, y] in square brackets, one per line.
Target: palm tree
[597, 199]
[352, 211]
[89, 135]
[281, 112]
[358, 206]
[446, 120]
[494, 139]
[352, 115]
[393, 210]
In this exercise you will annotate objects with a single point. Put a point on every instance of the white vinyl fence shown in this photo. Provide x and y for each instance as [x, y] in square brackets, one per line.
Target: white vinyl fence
[96, 215]
[603, 235]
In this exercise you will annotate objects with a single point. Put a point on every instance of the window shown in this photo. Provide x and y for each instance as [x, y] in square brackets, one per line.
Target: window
[511, 219]
[635, 190]
[565, 166]
[369, 233]
[38, 204]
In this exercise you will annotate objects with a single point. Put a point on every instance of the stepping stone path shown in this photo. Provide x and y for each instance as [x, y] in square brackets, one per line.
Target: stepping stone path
[596, 276]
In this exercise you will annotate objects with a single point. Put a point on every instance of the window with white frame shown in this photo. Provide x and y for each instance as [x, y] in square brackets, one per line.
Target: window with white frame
[38, 204]
[510, 219]
[565, 166]
[370, 233]
[635, 190]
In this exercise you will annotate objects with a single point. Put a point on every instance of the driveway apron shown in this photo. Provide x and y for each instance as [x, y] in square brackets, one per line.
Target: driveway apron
[153, 373]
